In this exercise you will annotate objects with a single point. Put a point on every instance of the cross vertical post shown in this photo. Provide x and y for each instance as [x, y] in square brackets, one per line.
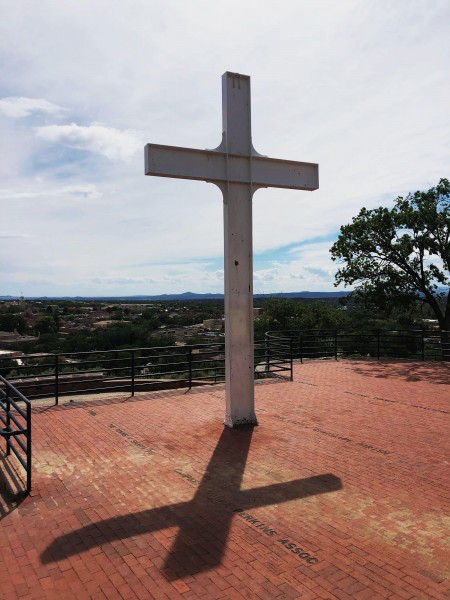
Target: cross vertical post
[238, 170]
[238, 256]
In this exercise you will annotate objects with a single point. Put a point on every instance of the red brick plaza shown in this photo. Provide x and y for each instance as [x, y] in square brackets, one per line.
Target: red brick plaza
[341, 492]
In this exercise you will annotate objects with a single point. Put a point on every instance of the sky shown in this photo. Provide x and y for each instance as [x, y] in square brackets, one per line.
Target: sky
[361, 87]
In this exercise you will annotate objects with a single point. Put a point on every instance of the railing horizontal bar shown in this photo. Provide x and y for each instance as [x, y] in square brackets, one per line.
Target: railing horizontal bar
[168, 372]
[19, 457]
[21, 412]
[150, 384]
[207, 374]
[21, 397]
[18, 440]
[208, 361]
[276, 363]
[13, 433]
[17, 423]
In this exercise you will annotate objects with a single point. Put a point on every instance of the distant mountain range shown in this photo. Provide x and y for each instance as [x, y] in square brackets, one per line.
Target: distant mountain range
[182, 297]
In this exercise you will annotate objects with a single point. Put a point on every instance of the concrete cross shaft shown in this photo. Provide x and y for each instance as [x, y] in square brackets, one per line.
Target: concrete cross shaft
[238, 170]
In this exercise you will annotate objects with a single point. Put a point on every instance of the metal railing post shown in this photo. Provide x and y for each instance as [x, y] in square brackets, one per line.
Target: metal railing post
[423, 345]
[267, 352]
[56, 379]
[301, 348]
[8, 419]
[28, 447]
[132, 372]
[378, 345]
[190, 365]
[445, 345]
[335, 345]
[292, 359]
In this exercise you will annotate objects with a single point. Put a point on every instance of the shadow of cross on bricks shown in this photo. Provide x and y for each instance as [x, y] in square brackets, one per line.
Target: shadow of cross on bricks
[203, 522]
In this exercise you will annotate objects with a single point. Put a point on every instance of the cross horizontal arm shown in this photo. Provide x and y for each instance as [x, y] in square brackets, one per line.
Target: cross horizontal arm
[219, 167]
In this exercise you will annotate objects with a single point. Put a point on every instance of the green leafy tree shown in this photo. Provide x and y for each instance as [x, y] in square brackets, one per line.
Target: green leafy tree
[288, 314]
[281, 313]
[363, 315]
[46, 325]
[11, 322]
[401, 256]
[149, 320]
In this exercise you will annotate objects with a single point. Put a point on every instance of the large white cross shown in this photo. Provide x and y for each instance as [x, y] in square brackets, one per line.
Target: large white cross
[238, 170]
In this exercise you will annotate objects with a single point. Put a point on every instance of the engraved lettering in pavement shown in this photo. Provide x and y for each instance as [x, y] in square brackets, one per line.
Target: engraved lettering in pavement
[132, 441]
[331, 434]
[264, 528]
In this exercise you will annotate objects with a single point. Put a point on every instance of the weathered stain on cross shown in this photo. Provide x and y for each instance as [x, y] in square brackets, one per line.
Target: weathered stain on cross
[238, 170]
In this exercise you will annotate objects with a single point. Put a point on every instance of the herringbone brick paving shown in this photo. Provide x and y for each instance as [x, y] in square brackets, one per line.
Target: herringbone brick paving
[341, 492]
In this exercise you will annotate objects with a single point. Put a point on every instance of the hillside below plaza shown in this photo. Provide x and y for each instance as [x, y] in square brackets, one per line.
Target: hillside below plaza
[342, 491]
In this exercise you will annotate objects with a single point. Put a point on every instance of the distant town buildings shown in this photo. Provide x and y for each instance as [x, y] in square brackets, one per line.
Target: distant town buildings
[214, 324]
[38, 317]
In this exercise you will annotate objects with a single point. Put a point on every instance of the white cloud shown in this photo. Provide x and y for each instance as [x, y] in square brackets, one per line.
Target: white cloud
[359, 86]
[18, 107]
[99, 139]
[89, 192]
[160, 278]
[307, 267]
[14, 236]
[119, 281]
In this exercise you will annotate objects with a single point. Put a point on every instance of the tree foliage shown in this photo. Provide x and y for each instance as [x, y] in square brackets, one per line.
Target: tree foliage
[12, 322]
[286, 313]
[46, 325]
[401, 255]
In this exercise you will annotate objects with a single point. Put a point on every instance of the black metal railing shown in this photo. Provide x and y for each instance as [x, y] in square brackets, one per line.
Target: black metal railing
[402, 344]
[278, 357]
[142, 369]
[136, 369]
[15, 422]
